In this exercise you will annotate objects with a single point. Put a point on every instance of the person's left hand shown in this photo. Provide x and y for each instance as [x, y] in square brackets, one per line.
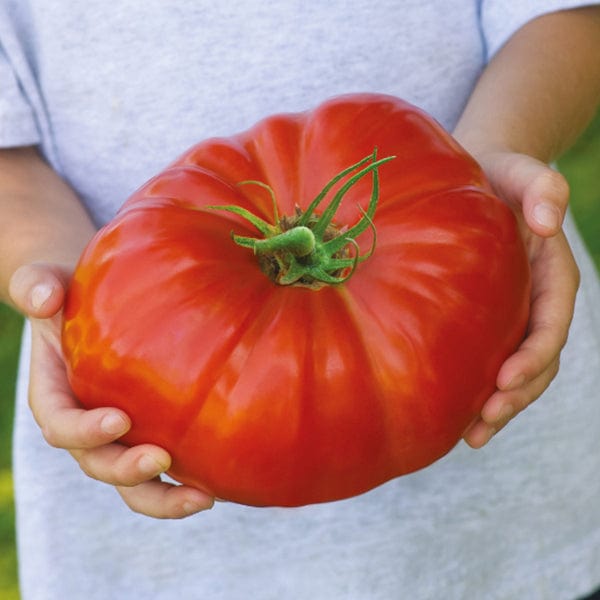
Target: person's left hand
[38, 291]
[539, 196]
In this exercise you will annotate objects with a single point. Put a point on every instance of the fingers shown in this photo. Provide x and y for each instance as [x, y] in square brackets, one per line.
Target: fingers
[76, 428]
[555, 280]
[545, 199]
[541, 195]
[38, 290]
[162, 500]
[64, 423]
[135, 473]
[505, 405]
[120, 465]
[89, 436]
[530, 370]
[531, 186]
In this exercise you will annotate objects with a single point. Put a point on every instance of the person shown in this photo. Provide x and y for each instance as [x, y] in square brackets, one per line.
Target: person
[97, 97]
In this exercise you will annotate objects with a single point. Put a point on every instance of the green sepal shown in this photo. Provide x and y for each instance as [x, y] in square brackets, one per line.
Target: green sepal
[297, 247]
[264, 227]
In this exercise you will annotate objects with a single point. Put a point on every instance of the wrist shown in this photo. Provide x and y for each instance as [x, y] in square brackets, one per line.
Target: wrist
[42, 219]
[494, 143]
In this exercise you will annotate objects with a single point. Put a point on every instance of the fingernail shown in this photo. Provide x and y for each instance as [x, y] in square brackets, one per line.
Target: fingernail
[114, 424]
[40, 294]
[547, 216]
[505, 413]
[149, 466]
[191, 507]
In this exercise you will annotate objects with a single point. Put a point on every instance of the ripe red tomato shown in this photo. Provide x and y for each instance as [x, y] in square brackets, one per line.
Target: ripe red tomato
[282, 376]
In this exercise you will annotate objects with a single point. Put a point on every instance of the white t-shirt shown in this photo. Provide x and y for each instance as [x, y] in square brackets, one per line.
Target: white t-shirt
[113, 91]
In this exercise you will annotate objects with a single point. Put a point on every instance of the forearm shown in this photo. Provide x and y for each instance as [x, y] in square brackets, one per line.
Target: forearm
[540, 90]
[41, 218]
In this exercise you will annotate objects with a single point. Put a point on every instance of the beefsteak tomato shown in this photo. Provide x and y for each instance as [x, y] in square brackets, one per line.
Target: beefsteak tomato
[347, 333]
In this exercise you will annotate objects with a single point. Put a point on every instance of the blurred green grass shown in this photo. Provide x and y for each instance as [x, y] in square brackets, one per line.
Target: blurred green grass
[581, 165]
[10, 331]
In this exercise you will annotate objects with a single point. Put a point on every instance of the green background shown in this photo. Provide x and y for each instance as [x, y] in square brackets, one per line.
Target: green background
[581, 165]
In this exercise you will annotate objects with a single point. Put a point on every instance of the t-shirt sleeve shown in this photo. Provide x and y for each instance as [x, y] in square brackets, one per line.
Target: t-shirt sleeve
[18, 125]
[501, 18]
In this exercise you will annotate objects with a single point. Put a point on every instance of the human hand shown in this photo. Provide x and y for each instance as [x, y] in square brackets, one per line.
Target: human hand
[38, 291]
[539, 195]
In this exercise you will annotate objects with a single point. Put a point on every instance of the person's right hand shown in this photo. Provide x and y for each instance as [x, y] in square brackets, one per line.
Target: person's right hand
[38, 291]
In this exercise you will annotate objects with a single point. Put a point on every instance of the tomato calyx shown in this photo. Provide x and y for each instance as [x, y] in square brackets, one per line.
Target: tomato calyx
[308, 249]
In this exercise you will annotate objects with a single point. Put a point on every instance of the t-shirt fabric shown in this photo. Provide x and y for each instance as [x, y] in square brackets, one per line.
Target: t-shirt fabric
[112, 93]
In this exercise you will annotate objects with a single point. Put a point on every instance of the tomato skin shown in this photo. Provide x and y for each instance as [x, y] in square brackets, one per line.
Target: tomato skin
[281, 395]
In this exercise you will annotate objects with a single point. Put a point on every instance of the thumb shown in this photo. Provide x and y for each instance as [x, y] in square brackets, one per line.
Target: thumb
[531, 186]
[38, 290]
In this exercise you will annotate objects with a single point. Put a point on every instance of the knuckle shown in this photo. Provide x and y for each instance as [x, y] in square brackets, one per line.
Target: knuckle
[125, 473]
[134, 503]
[101, 464]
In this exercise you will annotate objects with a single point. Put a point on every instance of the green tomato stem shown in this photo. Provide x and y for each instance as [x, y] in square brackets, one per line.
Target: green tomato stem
[298, 241]
[306, 249]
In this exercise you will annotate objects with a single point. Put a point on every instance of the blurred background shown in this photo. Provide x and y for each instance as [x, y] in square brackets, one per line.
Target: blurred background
[581, 165]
